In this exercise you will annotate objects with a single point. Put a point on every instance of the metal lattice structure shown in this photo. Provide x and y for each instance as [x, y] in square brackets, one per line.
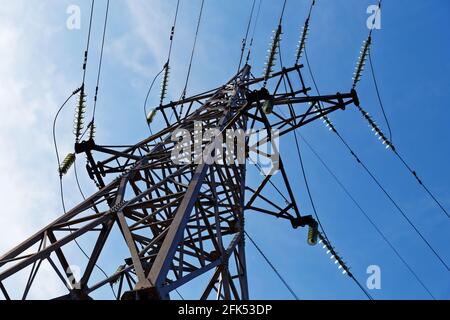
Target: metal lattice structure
[179, 222]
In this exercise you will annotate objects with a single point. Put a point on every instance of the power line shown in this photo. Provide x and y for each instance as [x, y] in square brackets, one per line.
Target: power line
[420, 182]
[360, 286]
[380, 2]
[193, 49]
[368, 171]
[325, 239]
[253, 33]
[270, 182]
[274, 48]
[165, 69]
[101, 56]
[179, 294]
[61, 187]
[79, 122]
[305, 179]
[304, 35]
[316, 214]
[100, 61]
[377, 182]
[308, 64]
[301, 163]
[55, 119]
[332, 127]
[264, 255]
[172, 32]
[272, 266]
[366, 215]
[380, 101]
[282, 12]
[342, 264]
[366, 52]
[244, 41]
[77, 180]
[147, 96]
[86, 52]
[191, 59]
[389, 144]
[396, 205]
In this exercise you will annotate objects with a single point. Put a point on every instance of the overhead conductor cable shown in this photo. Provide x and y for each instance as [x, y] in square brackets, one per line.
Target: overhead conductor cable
[366, 215]
[387, 142]
[372, 176]
[69, 160]
[165, 79]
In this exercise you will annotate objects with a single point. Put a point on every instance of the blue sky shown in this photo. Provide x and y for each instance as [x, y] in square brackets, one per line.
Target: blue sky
[40, 63]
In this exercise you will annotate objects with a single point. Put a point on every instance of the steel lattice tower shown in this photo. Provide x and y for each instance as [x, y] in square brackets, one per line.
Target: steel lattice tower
[179, 222]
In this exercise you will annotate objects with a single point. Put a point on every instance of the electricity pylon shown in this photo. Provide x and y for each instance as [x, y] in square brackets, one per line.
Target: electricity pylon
[180, 222]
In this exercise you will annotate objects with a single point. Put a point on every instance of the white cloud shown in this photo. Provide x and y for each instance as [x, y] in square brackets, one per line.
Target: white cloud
[143, 46]
[30, 93]
[34, 83]
[140, 44]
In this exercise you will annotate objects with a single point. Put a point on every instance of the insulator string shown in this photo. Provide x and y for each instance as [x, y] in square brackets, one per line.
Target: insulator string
[376, 181]
[166, 68]
[273, 51]
[361, 61]
[366, 215]
[322, 235]
[304, 35]
[68, 162]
